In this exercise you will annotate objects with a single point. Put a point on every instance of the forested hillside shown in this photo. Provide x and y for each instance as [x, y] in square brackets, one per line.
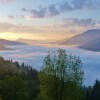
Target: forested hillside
[60, 78]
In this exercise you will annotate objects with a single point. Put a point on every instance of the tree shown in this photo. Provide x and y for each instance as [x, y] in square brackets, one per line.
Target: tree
[60, 74]
[95, 93]
[13, 88]
[1, 60]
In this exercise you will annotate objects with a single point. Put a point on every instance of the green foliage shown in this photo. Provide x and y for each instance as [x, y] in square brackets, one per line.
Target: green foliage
[1, 60]
[60, 75]
[7, 68]
[13, 88]
[92, 92]
[18, 81]
[32, 88]
[95, 94]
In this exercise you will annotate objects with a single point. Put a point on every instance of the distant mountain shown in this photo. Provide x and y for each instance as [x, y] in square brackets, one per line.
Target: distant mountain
[83, 38]
[29, 41]
[4, 42]
[93, 45]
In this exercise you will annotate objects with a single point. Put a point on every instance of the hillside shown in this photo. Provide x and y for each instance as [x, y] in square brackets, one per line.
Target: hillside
[93, 45]
[34, 42]
[83, 38]
[8, 42]
[4, 43]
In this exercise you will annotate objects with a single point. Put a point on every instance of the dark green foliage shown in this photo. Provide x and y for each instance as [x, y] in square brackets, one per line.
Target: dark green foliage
[13, 88]
[92, 93]
[17, 82]
[32, 88]
[95, 94]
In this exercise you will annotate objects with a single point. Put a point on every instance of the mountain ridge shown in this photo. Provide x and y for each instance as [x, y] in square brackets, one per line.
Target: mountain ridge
[8, 42]
[83, 38]
[92, 46]
[4, 43]
[30, 41]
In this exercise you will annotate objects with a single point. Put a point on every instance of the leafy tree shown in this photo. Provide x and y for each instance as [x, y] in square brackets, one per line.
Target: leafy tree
[61, 76]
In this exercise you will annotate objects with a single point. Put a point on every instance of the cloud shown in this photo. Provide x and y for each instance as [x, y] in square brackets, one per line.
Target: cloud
[6, 1]
[22, 29]
[49, 32]
[27, 17]
[24, 9]
[5, 27]
[59, 8]
[68, 25]
[81, 4]
[79, 22]
[11, 16]
[51, 10]
[78, 4]
[40, 13]
[65, 6]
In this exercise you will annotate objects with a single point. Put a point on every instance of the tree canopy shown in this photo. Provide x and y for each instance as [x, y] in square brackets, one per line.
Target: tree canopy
[61, 73]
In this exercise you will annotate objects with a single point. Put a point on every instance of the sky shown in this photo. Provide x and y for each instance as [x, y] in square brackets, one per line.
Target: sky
[50, 20]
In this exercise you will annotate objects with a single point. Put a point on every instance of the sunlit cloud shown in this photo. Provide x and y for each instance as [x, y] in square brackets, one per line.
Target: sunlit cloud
[12, 31]
[68, 28]
[26, 17]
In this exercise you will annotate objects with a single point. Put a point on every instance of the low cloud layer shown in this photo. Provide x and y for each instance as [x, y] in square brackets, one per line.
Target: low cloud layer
[56, 9]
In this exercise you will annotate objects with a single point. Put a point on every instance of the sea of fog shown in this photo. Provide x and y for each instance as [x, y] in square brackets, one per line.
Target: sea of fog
[34, 55]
